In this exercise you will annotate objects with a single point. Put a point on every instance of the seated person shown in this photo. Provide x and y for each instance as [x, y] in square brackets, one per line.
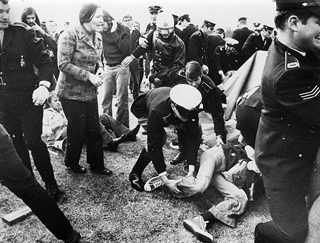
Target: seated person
[123, 133]
[54, 129]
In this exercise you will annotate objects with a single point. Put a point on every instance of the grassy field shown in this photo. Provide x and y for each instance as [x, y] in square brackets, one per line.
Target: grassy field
[107, 209]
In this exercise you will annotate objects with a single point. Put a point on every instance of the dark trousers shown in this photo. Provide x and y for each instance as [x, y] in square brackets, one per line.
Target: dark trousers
[83, 123]
[287, 207]
[134, 78]
[18, 179]
[25, 130]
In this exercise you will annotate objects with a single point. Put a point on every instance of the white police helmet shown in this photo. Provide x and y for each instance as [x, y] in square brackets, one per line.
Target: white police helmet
[186, 96]
[165, 21]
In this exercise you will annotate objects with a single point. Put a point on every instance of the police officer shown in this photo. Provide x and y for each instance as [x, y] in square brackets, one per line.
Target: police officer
[241, 34]
[257, 41]
[168, 52]
[188, 28]
[211, 101]
[226, 60]
[22, 94]
[154, 11]
[288, 135]
[197, 45]
[163, 107]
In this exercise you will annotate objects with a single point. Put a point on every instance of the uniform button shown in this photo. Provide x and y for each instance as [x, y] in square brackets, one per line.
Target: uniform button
[300, 155]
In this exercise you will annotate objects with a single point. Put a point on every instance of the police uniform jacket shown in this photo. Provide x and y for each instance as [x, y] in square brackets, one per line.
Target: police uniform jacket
[77, 58]
[168, 57]
[156, 106]
[255, 43]
[21, 51]
[241, 35]
[197, 48]
[288, 134]
[213, 42]
[224, 61]
[211, 101]
[187, 32]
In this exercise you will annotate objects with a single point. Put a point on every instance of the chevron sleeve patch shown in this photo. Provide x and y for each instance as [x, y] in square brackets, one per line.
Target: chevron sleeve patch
[310, 94]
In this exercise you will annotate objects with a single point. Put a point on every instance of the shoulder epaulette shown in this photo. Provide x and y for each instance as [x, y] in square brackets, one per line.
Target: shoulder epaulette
[21, 24]
[206, 86]
[291, 62]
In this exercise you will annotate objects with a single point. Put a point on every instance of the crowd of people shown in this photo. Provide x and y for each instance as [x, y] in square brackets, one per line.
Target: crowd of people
[49, 85]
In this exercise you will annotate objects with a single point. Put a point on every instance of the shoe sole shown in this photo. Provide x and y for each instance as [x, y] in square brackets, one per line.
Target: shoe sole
[200, 234]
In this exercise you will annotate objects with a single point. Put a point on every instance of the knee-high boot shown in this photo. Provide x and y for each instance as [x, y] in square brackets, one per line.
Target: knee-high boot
[136, 172]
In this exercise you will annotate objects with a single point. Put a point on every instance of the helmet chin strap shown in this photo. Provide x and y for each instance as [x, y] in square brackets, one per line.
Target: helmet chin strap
[176, 112]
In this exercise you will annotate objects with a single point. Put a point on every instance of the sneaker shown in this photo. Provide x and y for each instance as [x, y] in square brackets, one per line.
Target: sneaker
[153, 183]
[197, 226]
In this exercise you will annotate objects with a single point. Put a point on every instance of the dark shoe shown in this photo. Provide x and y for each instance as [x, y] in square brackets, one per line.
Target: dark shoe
[103, 171]
[136, 182]
[53, 190]
[73, 238]
[132, 134]
[178, 159]
[79, 169]
[113, 145]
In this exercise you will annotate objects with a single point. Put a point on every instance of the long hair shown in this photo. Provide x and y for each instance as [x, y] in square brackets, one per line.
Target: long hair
[28, 11]
[87, 12]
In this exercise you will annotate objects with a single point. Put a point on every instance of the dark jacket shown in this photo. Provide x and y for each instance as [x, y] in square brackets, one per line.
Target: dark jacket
[168, 57]
[187, 32]
[116, 45]
[225, 61]
[288, 134]
[197, 46]
[21, 52]
[156, 106]
[255, 43]
[241, 35]
[211, 101]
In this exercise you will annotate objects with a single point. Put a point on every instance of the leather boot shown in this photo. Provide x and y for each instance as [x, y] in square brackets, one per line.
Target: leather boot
[132, 134]
[113, 145]
[135, 175]
[180, 157]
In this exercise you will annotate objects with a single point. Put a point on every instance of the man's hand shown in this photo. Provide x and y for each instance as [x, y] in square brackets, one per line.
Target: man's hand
[126, 62]
[143, 42]
[173, 186]
[219, 140]
[114, 26]
[95, 80]
[40, 95]
[205, 69]
[157, 82]
[36, 27]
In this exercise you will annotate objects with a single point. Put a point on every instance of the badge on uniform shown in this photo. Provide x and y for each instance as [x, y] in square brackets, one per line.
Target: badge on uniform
[291, 62]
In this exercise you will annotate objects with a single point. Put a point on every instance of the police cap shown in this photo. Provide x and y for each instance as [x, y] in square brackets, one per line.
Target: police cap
[267, 27]
[209, 23]
[155, 9]
[312, 6]
[184, 17]
[185, 96]
[231, 42]
[242, 19]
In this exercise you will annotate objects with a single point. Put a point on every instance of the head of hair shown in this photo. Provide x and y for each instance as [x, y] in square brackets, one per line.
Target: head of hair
[28, 11]
[87, 12]
[51, 95]
[282, 16]
[106, 16]
[193, 69]
[4, 1]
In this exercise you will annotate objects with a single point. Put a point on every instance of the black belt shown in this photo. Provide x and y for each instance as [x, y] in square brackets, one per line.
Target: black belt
[113, 65]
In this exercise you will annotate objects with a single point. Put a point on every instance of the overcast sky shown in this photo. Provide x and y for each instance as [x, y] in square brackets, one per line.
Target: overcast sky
[223, 12]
